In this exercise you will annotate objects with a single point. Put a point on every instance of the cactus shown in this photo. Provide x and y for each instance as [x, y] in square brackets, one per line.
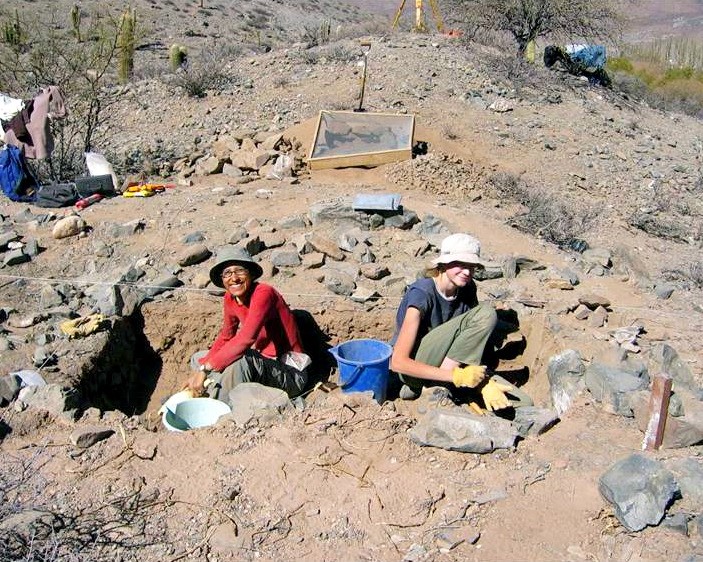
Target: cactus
[126, 43]
[12, 33]
[177, 56]
[76, 21]
[325, 28]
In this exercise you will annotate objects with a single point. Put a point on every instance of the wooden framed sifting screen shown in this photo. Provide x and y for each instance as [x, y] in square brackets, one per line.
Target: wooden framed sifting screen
[347, 138]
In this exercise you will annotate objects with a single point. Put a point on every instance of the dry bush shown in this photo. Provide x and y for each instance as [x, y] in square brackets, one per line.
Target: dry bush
[555, 220]
[205, 73]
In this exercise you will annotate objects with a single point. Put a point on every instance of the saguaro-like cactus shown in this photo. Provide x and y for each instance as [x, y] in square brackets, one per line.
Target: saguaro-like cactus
[177, 56]
[76, 21]
[126, 43]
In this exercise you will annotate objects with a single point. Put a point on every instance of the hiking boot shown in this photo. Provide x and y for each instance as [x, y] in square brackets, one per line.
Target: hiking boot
[408, 393]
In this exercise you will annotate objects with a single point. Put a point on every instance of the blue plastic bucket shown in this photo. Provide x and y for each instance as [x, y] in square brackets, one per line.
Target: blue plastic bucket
[363, 366]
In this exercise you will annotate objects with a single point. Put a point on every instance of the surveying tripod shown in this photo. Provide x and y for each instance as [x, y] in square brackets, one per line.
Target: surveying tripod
[420, 24]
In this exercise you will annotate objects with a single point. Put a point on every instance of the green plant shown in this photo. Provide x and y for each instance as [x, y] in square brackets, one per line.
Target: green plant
[177, 56]
[13, 33]
[128, 23]
[619, 64]
[76, 21]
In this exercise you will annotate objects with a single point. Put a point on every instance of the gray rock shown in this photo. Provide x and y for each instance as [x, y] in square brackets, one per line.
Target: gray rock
[374, 271]
[237, 235]
[430, 225]
[688, 473]
[640, 489]
[272, 239]
[347, 241]
[31, 248]
[339, 282]
[107, 299]
[295, 221]
[101, 249]
[404, 221]
[665, 359]
[49, 297]
[509, 268]
[612, 387]
[53, 398]
[363, 254]
[208, 166]
[285, 257]
[15, 257]
[593, 301]
[677, 522]
[490, 271]
[253, 245]
[85, 437]
[457, 430]
[6, 238]
[9, 388]
[337, 212]
[194, 238]
[192, 255]
[375, 221]
[252, 400]
[663, 290]
[162, 284]
[126, 229]
[565, 373]
[231, 171]
[532, 420]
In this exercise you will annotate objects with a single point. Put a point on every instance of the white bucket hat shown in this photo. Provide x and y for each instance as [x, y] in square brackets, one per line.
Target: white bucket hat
[460, 247]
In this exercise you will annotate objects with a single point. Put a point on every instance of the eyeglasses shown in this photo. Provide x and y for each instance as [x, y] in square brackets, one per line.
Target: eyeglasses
[235, 272]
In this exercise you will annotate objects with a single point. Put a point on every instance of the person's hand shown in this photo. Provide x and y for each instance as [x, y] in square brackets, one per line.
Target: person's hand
[470, 376]
[494, 395]
[196, 383]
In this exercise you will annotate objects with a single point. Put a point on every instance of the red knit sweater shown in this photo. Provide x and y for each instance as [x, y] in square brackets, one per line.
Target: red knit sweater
[265, 324]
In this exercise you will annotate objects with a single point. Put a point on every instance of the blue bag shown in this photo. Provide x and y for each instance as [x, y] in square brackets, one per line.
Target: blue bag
[16, 181]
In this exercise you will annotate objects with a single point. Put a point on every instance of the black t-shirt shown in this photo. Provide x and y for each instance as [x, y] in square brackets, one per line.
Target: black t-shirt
[434, 308]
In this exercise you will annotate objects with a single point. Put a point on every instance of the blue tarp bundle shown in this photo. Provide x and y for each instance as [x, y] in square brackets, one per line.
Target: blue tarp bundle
[591, 56]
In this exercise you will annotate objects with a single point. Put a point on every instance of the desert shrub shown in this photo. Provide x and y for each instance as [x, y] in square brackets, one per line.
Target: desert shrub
[619, 64]
[555, 220]
[83, 71]
[114, 526]
[202, 74]
[515, 71]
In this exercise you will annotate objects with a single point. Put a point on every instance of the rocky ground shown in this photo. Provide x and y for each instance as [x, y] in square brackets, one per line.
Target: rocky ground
[527, 165]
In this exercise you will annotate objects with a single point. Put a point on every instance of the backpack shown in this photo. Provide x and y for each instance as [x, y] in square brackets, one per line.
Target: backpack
[16, 181]
[56, 195]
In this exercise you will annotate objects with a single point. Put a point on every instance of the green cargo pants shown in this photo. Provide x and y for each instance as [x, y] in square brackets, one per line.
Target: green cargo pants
[462, 339]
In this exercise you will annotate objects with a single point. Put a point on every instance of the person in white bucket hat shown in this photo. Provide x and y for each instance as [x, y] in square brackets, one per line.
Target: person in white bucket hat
[442, 330]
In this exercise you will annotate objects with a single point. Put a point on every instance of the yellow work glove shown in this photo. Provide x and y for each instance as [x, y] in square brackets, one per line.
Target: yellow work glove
[494, 395]
[470, 376]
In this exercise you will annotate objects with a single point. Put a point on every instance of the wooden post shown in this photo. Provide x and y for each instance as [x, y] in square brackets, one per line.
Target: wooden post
[658, 410]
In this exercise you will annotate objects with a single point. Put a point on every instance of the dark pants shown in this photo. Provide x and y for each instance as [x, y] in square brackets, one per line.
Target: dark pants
[253, 367]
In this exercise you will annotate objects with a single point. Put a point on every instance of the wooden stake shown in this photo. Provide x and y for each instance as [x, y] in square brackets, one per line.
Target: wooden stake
[658, 410]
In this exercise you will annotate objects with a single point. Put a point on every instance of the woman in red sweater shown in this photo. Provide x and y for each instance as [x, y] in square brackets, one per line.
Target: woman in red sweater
[259, 339]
